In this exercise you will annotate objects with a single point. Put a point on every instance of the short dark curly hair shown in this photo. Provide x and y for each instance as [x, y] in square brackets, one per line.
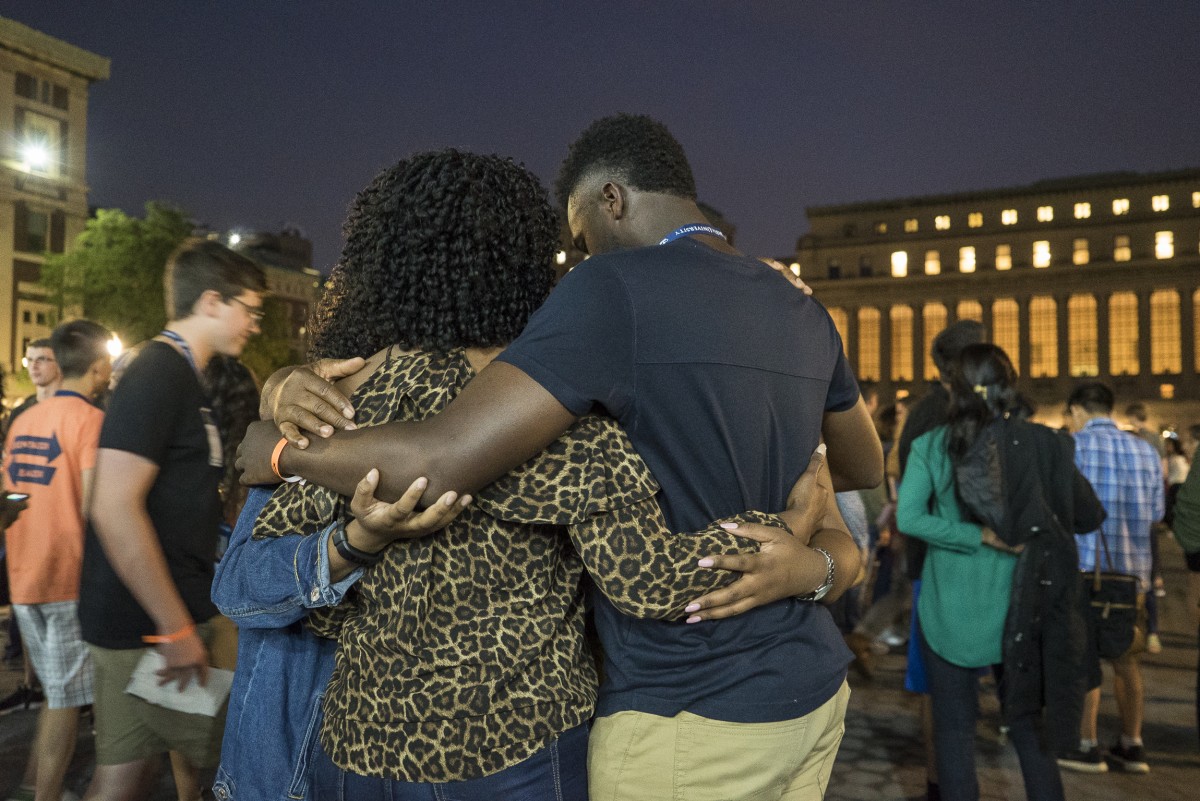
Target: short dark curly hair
[444, 249]
[638, 149]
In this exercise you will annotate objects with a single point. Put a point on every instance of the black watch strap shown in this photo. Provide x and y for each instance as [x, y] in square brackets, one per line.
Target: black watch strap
[351, 554]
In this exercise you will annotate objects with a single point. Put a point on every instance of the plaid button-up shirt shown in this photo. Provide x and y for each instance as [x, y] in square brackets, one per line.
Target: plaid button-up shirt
[1127, 476]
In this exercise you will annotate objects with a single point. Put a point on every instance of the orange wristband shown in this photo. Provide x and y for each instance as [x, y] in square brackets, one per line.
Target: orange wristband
[156, 639]
[275, 458]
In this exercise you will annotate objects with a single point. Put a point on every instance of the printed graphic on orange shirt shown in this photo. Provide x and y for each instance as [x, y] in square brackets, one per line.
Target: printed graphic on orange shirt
[22, 471]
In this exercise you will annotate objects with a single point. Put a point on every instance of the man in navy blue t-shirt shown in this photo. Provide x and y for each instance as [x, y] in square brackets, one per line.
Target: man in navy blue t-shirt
[726, 380]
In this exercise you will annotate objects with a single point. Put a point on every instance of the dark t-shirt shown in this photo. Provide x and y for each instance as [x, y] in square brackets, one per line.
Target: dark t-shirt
[156, 414]
[720, 372]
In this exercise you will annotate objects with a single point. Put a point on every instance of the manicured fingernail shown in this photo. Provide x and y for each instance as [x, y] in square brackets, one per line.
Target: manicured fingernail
[705, 562]
[421, 483]
[729, 526]
[821, 449]
[352, 427]
[451, 497]
[347, 412]
[326, 431]
[465, 501]
[301, 444]
[692, 608]
[693, 619]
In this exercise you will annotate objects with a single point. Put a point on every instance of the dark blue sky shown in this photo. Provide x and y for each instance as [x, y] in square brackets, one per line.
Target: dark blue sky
[258, 113]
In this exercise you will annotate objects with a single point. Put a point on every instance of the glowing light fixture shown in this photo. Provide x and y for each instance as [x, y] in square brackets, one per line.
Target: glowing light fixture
[234, 239]
[115, 348]
[36, 155]
[560, 257]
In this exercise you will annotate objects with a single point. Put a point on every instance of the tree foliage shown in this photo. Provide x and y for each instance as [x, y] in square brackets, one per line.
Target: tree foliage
[114, 272]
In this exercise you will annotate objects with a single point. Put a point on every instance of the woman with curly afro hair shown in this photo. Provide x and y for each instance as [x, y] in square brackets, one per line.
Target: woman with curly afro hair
[454, 663]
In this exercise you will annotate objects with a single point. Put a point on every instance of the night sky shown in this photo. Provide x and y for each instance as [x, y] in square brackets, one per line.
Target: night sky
[255, 114]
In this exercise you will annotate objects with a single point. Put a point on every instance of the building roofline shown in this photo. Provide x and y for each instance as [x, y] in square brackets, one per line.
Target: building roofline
[43, 47]
[1070, 184]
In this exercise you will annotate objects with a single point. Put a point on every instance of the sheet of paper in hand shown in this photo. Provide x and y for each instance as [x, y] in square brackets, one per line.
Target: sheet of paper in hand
[194, 700]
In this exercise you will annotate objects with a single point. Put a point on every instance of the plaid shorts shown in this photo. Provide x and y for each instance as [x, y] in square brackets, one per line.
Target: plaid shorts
[56, 648]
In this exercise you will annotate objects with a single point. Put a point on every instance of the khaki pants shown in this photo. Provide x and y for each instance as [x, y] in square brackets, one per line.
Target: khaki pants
[634, 756]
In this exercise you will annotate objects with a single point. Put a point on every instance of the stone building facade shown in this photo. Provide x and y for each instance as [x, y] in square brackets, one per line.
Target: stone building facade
[44, 84]
[1091, 277]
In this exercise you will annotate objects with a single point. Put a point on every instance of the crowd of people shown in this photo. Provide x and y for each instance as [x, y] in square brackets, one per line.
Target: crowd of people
[617, 540]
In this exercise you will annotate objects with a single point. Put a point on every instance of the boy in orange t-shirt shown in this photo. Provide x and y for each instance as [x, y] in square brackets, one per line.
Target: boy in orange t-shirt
[50, 455]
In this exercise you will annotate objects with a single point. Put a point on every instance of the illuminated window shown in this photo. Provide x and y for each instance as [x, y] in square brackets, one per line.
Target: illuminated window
[1160, 202]
[1006, 331]
[1041, 254]
[969, 310]
[910, 225]
[1008, 217]
[841, 322]
[933, 317]
[1045, 213]
[1196, 200]
[1166, 391]
[902, 343]
[1165, 356]
[1080, 253]
[975, 218]
[1121, 206]
[868, 344]
[1003, 257]
[942, 222]
[1121, 250]
[966, 260]
[1164, 245]
[1123, 334]
[933, 262]
[1043, 338]
[1081, 336]
[899, 264]
[1196, 328]
[1083, 211]
[881, 227]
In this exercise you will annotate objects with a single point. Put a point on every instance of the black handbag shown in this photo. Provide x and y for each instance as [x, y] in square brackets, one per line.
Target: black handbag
[1112, 605]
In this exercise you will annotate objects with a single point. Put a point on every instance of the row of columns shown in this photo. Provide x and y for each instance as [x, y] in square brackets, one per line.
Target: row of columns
[1187, 340]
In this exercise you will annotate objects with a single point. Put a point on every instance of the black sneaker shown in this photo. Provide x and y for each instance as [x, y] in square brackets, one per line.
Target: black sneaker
[1130, 759]
[1088, 761]
[21, 699]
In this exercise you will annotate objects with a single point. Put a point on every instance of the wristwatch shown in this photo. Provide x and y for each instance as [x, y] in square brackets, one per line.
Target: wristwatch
[354, 556]
[823, 590]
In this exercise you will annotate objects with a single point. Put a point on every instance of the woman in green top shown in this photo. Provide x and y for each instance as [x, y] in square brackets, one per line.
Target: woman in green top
[967, 580]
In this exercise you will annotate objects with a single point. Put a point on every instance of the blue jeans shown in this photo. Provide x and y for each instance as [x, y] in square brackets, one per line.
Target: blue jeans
[558, 772]
[954, 692]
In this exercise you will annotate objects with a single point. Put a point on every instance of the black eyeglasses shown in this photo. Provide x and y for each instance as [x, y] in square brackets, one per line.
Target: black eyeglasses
[256, 312]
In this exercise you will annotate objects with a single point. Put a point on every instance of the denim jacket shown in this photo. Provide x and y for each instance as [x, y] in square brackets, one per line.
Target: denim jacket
[275, 707]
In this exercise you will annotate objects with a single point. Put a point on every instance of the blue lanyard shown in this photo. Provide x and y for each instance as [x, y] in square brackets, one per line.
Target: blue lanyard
[66, 393]
[692, 228]
[186, 349]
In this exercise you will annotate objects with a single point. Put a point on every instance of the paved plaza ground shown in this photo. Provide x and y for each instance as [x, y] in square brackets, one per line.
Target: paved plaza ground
[881, 757]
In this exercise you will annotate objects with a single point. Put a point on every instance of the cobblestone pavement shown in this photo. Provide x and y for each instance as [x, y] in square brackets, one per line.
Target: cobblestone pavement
[881, 757]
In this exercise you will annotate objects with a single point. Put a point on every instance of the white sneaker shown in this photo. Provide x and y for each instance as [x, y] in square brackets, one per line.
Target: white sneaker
[1153, 644]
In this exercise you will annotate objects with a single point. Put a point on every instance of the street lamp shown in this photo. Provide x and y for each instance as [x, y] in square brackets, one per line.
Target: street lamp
[114, 346]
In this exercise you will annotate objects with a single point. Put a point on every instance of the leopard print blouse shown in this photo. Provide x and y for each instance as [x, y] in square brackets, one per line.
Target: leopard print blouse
[463, 653]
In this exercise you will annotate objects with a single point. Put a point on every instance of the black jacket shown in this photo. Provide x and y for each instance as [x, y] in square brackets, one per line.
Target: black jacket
[1046, 500]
